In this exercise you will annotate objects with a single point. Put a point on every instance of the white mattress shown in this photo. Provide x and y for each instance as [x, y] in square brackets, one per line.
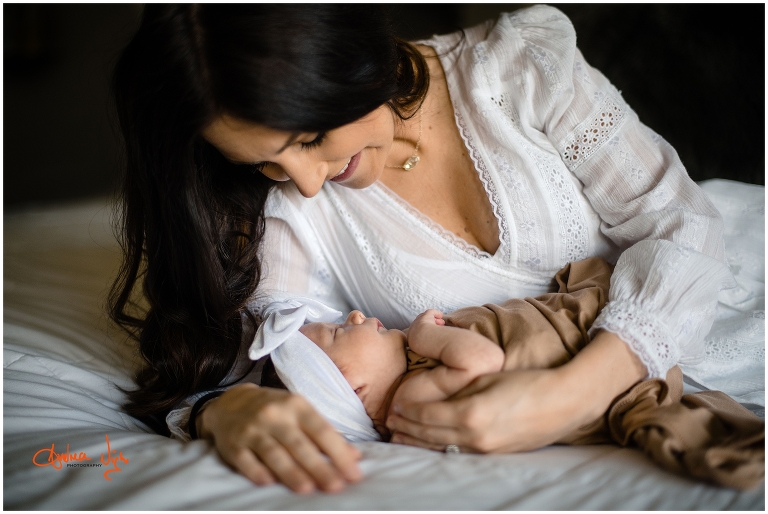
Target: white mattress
[63, 361]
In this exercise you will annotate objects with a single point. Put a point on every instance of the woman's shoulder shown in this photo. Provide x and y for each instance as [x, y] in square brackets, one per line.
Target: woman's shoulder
[539, 25]
[285, 200]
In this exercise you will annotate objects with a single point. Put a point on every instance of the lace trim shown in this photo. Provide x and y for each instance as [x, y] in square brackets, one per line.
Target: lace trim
[177, 419]
[571, 221]
[645, 334]
[446, 235]
[487, 181]
[589, 136]
[572, 225]
[527, 221]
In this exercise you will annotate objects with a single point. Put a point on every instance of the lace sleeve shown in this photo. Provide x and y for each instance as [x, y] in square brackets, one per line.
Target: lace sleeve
[663, 292]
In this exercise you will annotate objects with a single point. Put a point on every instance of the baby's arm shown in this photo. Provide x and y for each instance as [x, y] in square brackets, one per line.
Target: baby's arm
[465, 354]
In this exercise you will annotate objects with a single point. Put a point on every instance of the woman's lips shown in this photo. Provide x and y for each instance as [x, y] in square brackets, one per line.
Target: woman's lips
[350, 169]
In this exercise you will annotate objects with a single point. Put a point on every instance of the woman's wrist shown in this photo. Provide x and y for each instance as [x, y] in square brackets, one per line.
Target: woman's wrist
[604, 369]
[198, 418]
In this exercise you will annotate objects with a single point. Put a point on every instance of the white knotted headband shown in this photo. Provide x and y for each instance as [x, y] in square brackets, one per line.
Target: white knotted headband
[306, 369]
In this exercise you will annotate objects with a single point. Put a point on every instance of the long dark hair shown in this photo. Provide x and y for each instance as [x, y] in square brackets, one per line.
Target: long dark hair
[191, 222]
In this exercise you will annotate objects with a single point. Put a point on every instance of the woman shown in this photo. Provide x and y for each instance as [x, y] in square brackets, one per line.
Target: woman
[278, 151]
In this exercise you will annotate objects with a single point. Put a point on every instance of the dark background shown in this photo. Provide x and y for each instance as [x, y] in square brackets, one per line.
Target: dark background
[694, 73]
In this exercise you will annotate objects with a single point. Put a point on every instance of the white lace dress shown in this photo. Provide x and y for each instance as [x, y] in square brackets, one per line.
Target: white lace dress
[570, 173]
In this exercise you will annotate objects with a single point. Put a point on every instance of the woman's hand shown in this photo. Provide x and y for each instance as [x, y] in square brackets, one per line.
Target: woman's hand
[508, 411]
[269, 434]
[522, 410]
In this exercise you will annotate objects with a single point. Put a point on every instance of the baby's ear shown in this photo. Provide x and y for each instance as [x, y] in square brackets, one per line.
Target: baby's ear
[362, 392]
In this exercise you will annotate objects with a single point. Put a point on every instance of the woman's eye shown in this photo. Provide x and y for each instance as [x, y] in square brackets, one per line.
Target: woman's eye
[259, 167]
[315, 142]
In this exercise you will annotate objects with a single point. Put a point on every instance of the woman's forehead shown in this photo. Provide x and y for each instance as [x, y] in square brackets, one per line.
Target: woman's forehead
[244, 141]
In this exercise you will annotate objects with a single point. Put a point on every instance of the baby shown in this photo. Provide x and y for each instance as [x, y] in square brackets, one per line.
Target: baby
[381, 365]
[353, 371]
[437, 356]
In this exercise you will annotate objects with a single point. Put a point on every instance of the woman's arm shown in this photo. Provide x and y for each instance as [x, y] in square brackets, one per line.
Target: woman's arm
[664, 288]
[522, 410]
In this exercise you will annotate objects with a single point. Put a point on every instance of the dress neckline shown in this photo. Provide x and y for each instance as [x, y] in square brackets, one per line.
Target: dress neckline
[489, 187]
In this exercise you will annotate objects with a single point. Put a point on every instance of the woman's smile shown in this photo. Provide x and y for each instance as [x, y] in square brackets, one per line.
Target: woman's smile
[348, 168]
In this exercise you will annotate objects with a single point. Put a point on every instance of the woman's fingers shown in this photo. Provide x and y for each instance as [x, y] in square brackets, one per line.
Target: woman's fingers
[249, 466]
[462, 420]
[401, 438]
[343, 455]
[433, 436]
[444, 413]
[277, 458]
[271, 435]
[307, 455]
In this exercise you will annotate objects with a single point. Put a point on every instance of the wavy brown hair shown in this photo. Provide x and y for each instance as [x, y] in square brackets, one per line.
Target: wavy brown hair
[190, 221]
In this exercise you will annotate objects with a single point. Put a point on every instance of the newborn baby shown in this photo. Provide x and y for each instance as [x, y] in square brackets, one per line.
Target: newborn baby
[382, 364]
[352, 372]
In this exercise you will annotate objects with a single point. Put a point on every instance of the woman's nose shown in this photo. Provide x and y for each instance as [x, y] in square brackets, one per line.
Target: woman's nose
[309, 178]
[355, 318]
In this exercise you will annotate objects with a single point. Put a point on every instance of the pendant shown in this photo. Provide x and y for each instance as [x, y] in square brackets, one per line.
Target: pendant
[411, 162]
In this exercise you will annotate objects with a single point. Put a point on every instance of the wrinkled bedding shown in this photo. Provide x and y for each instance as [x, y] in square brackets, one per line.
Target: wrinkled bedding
[63, 364]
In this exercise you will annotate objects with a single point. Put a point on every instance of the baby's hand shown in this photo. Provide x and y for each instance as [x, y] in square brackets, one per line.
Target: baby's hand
[429, 317]
[421, 329]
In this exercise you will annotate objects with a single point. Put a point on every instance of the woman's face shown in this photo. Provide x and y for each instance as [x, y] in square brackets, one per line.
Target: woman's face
[352, 155]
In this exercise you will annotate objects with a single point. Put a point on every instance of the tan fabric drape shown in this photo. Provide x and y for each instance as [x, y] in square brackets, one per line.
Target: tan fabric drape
[705, 435]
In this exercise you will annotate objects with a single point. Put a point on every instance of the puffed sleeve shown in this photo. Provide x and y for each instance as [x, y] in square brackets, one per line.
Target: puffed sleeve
[293, 264]
[663, 293]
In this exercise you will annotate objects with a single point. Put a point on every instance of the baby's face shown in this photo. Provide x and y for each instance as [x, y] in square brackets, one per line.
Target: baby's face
[369, 356]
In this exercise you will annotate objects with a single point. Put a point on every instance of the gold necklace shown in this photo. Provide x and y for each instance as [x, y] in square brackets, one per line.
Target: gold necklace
[413, 160]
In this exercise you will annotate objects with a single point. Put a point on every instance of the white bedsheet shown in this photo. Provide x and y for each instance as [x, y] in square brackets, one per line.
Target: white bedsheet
[62, 361]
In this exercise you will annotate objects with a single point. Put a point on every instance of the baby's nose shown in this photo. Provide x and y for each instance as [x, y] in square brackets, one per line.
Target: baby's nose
[355, 318]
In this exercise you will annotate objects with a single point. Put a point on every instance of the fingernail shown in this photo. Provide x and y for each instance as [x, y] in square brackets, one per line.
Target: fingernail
[396, 439]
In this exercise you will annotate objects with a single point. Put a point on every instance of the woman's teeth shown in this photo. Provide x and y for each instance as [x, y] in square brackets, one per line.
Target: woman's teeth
[343, 169]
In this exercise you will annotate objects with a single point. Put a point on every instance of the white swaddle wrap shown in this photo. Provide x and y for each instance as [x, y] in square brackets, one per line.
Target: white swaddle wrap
[305, 369]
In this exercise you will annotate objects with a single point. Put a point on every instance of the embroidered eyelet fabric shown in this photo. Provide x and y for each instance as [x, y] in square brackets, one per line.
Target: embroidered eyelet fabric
[569, 171]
